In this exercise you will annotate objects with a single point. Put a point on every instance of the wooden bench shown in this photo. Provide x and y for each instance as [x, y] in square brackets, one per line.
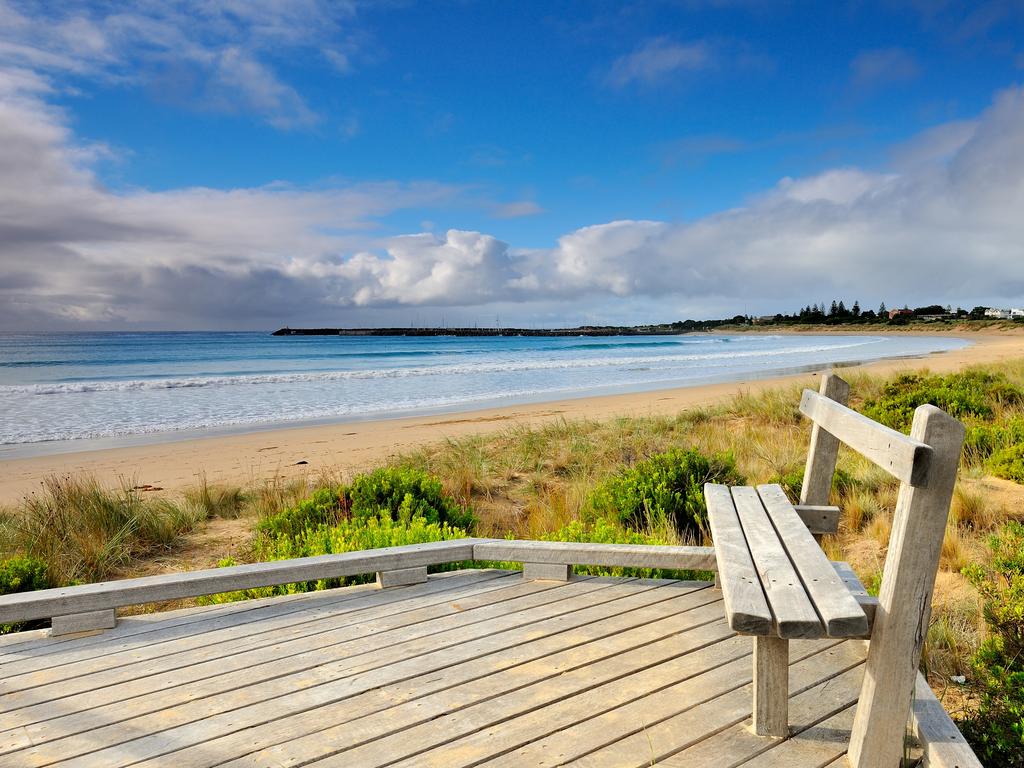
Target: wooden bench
[777, 584]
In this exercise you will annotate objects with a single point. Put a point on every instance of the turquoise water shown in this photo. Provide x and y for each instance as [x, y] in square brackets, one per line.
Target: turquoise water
[77, 387]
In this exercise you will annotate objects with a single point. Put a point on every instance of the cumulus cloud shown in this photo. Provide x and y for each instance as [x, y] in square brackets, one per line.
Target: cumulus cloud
[945, 225]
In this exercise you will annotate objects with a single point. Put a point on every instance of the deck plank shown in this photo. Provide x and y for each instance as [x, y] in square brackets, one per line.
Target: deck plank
[237, 629]
[146, 629]
[635, 718]
[439, 689]
[474, 668]
[342, 698]
[343, 659]
[699, 717]
[339, 636]
[820, 744]
[837, 689]
[467, 735]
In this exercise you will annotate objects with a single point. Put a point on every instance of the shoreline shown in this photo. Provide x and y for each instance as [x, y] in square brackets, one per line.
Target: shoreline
[347, 447]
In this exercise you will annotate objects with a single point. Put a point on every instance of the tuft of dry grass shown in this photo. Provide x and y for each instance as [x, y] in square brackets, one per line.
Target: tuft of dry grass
[227, 501]
[973, 509]
[84, 531]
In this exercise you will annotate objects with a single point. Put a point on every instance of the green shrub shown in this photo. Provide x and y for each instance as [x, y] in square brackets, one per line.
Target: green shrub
[793, 482]
[21, 574]
[969, 393]
[666, 487]
[982, 440]
[996, 730]
[326, 506]
[400, 493]
[322, 538]
[1008, 463]
[405, 493]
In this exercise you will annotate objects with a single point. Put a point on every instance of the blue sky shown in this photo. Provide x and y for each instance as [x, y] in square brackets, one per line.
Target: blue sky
[582, 153]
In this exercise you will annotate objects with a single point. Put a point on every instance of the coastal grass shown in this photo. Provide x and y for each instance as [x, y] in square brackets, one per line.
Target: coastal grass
[580, 480]
[81, 531]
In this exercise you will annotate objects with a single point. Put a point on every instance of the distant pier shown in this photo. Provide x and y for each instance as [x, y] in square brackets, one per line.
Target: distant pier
[585, 330]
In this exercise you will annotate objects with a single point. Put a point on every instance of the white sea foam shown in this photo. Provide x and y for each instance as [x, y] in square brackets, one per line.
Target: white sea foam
[73, 386]
[460, 369]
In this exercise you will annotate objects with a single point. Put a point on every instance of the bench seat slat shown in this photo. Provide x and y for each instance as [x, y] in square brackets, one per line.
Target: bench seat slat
[745, 605]
[838, 609]
[794, 614]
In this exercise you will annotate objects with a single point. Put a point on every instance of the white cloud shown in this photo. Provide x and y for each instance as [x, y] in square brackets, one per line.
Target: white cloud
[935, 145]
[882, 66]
[73, 253]
[657, 59]
[517, 209]
[213, 55]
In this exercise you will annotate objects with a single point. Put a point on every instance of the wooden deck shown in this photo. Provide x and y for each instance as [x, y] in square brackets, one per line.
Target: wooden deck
[474, 667]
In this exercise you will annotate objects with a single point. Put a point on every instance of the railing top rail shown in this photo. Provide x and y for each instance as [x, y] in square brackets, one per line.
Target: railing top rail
[46, 603]
[62, 601]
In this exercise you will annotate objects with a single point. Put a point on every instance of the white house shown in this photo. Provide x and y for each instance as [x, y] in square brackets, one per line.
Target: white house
[1017, 314]
[998, 314]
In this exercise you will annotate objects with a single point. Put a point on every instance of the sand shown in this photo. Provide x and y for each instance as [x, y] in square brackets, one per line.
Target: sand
[349, 447]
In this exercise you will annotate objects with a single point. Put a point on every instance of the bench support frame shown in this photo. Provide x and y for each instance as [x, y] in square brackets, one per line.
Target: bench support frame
[901, 622]
[824, 450]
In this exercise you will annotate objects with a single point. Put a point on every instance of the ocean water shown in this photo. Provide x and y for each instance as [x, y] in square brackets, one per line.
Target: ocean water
[56, 388]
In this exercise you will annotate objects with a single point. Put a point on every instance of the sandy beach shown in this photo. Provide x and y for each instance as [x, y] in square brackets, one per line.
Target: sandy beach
[349, 447]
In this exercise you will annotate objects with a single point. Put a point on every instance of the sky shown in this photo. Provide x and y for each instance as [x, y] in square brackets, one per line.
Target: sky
[250, 164]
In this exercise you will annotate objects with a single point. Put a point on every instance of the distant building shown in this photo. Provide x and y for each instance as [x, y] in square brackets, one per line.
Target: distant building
[1017, 314]
[898, 312]
[999, 314]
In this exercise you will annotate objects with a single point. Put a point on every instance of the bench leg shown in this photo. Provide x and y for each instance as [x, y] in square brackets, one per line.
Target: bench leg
[771, 686]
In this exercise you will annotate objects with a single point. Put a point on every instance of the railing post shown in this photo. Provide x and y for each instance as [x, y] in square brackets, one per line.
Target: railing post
[401, 577]
[547, 571]
[824, 449]
[901, 619]
[91, 621]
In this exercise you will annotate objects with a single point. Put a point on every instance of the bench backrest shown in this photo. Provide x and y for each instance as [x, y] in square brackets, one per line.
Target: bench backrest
[926, 465]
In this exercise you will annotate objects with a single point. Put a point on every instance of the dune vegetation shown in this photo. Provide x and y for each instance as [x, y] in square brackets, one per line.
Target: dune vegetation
[635, 479]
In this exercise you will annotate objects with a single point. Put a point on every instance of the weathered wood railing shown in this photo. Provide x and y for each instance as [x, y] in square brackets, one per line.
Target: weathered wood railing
[393, 566]
[92, 606]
